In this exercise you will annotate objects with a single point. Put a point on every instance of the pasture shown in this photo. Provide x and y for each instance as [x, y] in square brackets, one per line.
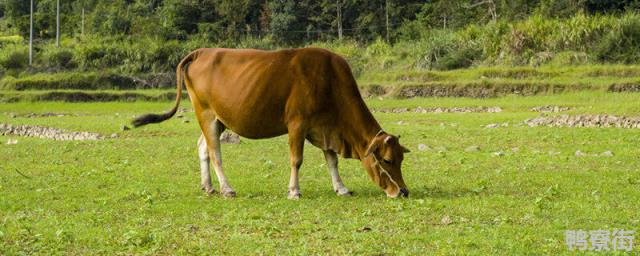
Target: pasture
[512, 189]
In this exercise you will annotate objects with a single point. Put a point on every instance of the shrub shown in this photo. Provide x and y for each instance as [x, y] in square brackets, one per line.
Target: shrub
[11, 40]
[622, 43]
[58, 58]
[95, 54]
[85, 81]
[14, 57]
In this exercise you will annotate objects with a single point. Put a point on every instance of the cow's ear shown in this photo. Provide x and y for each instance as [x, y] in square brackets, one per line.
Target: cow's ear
[405, 149]
[375, 144]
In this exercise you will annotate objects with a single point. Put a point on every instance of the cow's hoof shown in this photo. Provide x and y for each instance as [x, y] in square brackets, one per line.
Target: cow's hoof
[208, 191]
[344, 192]
[229, 194]
[294, 195]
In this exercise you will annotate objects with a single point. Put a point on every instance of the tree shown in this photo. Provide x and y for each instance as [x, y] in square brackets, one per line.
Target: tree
[282, 20]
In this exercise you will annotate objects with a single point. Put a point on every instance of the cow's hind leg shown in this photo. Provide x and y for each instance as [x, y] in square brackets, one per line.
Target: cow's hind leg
[332, 163]
[213, 141]
[296, 147]
[205, 176]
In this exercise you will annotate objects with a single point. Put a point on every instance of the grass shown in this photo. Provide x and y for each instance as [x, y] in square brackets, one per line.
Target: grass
[138, 194]
[592, 75]
[481, 82]
[89, 95]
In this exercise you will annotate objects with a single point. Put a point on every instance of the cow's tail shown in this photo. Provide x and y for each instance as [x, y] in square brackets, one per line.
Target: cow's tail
[180, 73]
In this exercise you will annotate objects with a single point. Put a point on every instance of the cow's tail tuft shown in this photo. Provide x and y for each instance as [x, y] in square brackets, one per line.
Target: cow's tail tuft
[157, 118]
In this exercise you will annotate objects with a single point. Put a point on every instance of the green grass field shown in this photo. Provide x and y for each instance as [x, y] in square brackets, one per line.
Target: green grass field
[139, 193]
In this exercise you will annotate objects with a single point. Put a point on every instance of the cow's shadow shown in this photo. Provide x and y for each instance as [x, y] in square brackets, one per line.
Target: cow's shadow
[424, 192]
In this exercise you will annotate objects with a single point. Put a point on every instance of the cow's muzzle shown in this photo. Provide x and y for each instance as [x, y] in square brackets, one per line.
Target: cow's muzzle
[404, 192]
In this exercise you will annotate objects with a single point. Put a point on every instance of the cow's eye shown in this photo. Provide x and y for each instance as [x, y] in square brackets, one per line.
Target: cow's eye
[386, 161]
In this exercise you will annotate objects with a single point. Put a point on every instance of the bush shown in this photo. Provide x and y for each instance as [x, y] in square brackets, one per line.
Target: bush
[11, 40]
[622, 43]
[85, 81]
[98, 55]
[14, 57]
[58, 58]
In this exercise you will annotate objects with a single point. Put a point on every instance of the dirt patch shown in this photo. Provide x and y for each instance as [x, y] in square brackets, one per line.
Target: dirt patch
[487, 89]
[516, 73]
[440, 110]
[46, 133]
[482, 89]
[551, 109]
[616, 72]
[625, 87]
[585, 121]
[372, 90]
[37, 115]
[88, 96]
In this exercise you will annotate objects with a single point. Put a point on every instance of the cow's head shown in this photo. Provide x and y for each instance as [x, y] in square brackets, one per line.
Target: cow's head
[382, 160]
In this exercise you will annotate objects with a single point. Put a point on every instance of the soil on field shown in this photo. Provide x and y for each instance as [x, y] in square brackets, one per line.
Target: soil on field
[585, 121]
[440, 110]
[46, 132]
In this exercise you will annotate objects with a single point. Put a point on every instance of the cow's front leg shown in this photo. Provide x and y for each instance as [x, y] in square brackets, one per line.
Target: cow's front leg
[205, 175]
[332, 163]
[296, 147]
[214, 151]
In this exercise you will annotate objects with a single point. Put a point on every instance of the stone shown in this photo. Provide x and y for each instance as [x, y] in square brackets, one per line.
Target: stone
[422, 147]
[499, 153]
[472, 149]
[124, 128]
[12, 142]
[229, 138]
[446, 220]
[579, 153]
[491, 126]
[607, 153]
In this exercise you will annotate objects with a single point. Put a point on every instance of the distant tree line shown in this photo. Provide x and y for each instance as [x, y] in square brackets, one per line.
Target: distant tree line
[150, 36]
[284, 22]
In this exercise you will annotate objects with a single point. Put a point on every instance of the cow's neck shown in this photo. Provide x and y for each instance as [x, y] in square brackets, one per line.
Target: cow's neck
[365, 127]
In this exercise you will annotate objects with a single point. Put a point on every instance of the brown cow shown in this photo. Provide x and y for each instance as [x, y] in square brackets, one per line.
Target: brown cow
[305, 93]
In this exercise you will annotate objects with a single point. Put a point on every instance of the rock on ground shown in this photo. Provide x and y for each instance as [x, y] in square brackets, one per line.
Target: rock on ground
[472, 149]
[440, 110]
[551, 109]
[229, 138]
[46, 132]
[585, 121]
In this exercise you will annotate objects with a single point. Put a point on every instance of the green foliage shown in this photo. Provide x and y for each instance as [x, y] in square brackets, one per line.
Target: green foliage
[58, 58]
[621, 43]
[11, 40]
[135, 36]
[96, 54]
[14, 57]
[73, 80]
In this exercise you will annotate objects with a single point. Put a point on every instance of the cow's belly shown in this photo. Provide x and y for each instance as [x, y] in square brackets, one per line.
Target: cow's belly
[251, 114]
[253, 123]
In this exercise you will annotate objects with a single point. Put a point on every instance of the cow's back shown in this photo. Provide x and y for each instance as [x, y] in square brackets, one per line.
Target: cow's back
[256, 93]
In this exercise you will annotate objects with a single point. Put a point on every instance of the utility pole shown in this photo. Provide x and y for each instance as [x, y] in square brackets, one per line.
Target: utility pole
[386, 2]
[339, 10]
[58, 23]
[31, 35]
[82, 25]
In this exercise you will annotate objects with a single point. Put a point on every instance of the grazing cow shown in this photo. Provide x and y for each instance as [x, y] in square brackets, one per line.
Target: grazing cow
[305, 93]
